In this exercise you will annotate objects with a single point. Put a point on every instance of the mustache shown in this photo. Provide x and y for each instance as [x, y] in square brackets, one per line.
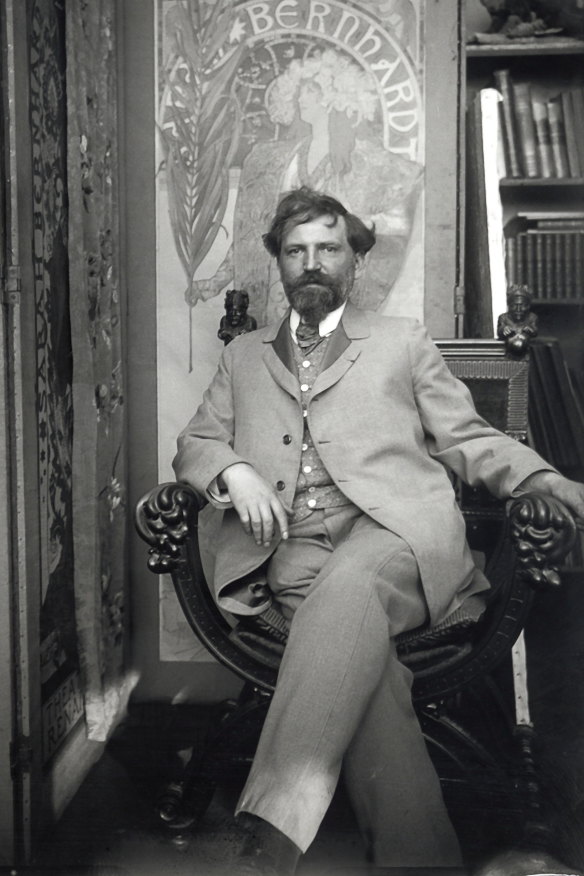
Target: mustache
[309, 278]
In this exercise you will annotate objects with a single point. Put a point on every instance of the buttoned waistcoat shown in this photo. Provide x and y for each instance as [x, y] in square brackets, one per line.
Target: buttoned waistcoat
[389, 421]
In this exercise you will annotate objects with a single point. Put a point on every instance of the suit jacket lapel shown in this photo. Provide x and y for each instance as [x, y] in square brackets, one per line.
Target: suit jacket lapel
[279, 358]
[343, 349]
[336, 347]
[282, 345]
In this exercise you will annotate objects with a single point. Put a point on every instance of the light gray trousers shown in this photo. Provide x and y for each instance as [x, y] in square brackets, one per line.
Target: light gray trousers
[343, 698]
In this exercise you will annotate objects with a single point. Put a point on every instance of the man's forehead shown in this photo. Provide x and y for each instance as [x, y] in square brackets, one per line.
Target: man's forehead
[328, 226]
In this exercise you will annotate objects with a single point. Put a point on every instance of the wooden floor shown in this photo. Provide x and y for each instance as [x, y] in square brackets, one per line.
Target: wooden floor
[112, 825]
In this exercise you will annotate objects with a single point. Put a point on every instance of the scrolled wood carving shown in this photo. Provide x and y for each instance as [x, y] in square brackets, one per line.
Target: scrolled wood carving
[164, 518]
[543, 532]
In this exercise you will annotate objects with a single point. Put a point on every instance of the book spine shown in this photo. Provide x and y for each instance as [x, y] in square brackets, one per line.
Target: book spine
[539, 291]
[577, 97]
[525, 128]
[548, 255]
[511, 259]
[570, 129]
[530, 262]
[569, 265]
[543, 139]
[503, 83]
[559, 265]
[579, 265]
[520, 258]
[502, 167]
[558, 136]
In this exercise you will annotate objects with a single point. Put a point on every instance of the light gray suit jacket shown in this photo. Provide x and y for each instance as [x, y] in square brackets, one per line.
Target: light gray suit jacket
[388, 420]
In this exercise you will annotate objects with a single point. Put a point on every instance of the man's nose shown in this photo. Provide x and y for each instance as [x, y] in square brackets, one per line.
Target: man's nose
[311, 260]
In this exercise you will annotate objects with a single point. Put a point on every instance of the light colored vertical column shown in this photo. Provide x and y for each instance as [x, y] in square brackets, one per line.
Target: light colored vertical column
[444, 124]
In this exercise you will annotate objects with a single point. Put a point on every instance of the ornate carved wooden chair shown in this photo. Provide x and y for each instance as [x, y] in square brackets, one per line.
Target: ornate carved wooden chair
[476, 723]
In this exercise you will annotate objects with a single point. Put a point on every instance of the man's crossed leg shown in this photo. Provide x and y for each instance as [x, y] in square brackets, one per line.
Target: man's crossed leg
[342, 696]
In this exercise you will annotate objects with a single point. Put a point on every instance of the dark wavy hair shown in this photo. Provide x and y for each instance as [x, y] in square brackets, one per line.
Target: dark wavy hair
[304, 205]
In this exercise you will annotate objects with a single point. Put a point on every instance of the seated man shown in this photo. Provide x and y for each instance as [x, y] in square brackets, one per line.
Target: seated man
[326, 442]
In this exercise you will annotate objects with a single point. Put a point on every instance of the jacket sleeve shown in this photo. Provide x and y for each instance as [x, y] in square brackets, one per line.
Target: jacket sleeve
[455, 433]
[205, 445]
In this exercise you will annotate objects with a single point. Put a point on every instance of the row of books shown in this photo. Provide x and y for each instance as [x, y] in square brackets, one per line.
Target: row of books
[547, 255]
[543, 135]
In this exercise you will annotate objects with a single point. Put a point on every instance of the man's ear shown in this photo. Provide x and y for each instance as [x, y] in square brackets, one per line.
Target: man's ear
[359, 263]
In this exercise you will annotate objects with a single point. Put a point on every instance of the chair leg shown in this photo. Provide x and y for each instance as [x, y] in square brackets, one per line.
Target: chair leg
[536, 832]
[182, 804]
[225, 756]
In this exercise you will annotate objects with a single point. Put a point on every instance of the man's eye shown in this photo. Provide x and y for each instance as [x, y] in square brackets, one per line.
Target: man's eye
[330, 248]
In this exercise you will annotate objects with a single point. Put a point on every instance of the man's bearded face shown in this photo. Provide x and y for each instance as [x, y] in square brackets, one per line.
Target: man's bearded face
[318, 267]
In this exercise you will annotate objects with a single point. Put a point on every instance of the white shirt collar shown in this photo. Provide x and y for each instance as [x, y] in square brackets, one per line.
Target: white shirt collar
[325, 327]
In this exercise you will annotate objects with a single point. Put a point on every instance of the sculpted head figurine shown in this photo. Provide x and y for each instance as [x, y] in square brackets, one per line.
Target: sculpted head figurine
[518, 302]
[236, 320]
[236, 304]
[518, 325]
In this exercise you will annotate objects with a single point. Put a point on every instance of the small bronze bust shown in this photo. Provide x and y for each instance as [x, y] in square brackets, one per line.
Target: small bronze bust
[519, 325]
[236, 320]
[524, 18]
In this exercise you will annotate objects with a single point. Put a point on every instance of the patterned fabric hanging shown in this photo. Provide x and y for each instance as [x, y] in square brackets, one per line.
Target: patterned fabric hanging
[62, 703]
[96, 330]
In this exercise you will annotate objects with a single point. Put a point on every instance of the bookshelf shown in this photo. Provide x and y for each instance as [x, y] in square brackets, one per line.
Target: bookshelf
[527, 48]
[532, 182]
[549, 67]
[556, 376]
[541, 196]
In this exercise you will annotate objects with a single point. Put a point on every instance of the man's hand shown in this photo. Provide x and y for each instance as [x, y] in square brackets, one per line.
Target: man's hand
[256, 502]
[571, 493]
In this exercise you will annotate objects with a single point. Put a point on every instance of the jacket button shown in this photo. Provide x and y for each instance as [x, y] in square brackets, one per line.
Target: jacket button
[281, 486]
[287, 439]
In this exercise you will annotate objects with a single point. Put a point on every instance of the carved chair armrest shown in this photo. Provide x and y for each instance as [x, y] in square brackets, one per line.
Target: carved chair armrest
[164, 517]
[543, 532]
[167, 519]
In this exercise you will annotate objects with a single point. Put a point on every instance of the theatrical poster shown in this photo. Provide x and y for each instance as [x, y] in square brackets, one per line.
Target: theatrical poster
[254, 99]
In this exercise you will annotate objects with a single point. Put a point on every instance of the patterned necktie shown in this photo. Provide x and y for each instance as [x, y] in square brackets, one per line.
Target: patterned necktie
[307, 336]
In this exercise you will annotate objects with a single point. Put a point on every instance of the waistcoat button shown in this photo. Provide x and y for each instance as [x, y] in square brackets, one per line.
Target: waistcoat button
[287, 439]
[281, 485]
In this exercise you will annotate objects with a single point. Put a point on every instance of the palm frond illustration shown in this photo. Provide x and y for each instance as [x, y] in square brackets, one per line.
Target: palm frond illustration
[200, 129]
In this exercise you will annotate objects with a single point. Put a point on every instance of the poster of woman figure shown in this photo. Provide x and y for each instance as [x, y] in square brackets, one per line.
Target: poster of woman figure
[257, 98]
[324, 108]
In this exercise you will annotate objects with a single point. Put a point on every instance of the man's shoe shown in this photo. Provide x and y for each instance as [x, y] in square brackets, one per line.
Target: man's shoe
[266, 851]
